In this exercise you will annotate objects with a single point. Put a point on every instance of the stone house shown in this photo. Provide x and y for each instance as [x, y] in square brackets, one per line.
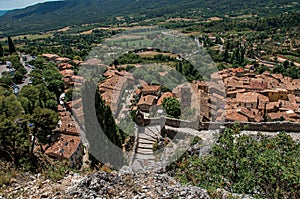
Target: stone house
[146, 102]
[67, 147]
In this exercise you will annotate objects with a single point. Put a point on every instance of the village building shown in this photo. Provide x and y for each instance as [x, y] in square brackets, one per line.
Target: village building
[66, 143]
[151, 90]
[276, 94]
[64, 66]
[242, 95]
[112, 88]
[67, 147]
[50, 56]
[146, 103]
[76, 108]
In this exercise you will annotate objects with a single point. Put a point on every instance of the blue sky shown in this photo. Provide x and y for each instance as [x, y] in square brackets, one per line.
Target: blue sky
[14, 4]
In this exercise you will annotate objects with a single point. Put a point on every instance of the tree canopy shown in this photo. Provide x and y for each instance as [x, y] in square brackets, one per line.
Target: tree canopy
[261, 166]
[172, 106]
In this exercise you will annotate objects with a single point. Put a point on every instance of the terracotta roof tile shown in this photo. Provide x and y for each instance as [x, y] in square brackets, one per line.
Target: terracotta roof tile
[148, 100]
[234, 116]
[64, 147]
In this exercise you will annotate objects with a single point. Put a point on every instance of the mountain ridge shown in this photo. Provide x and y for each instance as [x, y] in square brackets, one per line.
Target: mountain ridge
[58, 14]
[2, 12]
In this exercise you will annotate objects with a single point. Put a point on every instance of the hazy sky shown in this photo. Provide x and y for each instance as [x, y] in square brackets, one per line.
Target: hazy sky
[13, 4]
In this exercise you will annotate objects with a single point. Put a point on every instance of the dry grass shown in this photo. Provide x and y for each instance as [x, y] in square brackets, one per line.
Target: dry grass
[31, 36]
[150, 54]
[63, 29]
[180, 19]
[214, 19]
[244, 16]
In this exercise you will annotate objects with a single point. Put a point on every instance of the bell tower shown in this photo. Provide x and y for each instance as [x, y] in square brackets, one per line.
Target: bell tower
[186, 96]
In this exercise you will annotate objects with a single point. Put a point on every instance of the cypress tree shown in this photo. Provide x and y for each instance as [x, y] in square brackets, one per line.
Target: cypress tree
[11, 46]
[1, 54]
[1, 51]
[104, 138]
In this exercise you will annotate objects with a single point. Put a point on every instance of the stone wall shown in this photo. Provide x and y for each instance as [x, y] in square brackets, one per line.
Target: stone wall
[255, 126]
[251, 126]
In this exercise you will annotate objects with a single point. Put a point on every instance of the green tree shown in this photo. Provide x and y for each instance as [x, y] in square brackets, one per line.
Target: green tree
[44, 95]
[267, 167]
[32, 93]
[10, 107]
[1, 51]
[51, 104]
[44, 121]
[172, 106]
[18, 77]
[101, 130]
[56, 86]
[14, 142]
[11, 46]
[262, 69]
[13, 128]
[77, 58]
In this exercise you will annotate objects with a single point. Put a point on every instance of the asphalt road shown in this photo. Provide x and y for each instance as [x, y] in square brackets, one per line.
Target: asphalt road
[27, 78]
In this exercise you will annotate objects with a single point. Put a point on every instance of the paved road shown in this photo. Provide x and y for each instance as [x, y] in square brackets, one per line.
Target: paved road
[29, 58]
[26, 79]
[124, 110]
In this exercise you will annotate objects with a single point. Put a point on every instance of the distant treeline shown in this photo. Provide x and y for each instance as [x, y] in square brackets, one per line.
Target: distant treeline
[57, 14]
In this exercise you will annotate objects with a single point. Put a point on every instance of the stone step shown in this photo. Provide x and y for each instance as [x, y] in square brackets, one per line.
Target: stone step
[146, 137]
[144, 156]
[149, 133]
[145, 151]
[157, 129]
[146, 141]
[145, 146]
[153, 129]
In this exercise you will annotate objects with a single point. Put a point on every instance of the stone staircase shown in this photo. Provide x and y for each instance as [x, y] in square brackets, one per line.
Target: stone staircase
[145, 159]
[144, 156]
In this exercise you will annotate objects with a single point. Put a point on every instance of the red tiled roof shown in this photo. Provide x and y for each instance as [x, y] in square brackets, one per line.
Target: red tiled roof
[78, 79]
[258, 84]
[137, 92]
[64, 147]
[67, 73]
[63, 59]
[275, 116]
[163, 96]
[148, 100]
[60, 108]
[233, 116]
[50, 56]
[250, 97]
[150, 88]
[63, 66]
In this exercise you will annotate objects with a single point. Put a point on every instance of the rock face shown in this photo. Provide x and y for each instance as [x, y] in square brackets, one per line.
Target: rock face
[137, 185]
[37, 186]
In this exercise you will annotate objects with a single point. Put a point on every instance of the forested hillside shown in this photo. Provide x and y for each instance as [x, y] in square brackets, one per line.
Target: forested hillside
[53, 15]
[2, 12]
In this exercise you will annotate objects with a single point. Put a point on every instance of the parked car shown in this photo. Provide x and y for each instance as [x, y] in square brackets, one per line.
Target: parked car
[16, 91]
[31, 66]
[8, 64]
[24, 57]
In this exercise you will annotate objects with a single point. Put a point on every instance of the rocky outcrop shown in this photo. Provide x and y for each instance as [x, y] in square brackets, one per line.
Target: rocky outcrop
[27, 185]
[137, 185]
